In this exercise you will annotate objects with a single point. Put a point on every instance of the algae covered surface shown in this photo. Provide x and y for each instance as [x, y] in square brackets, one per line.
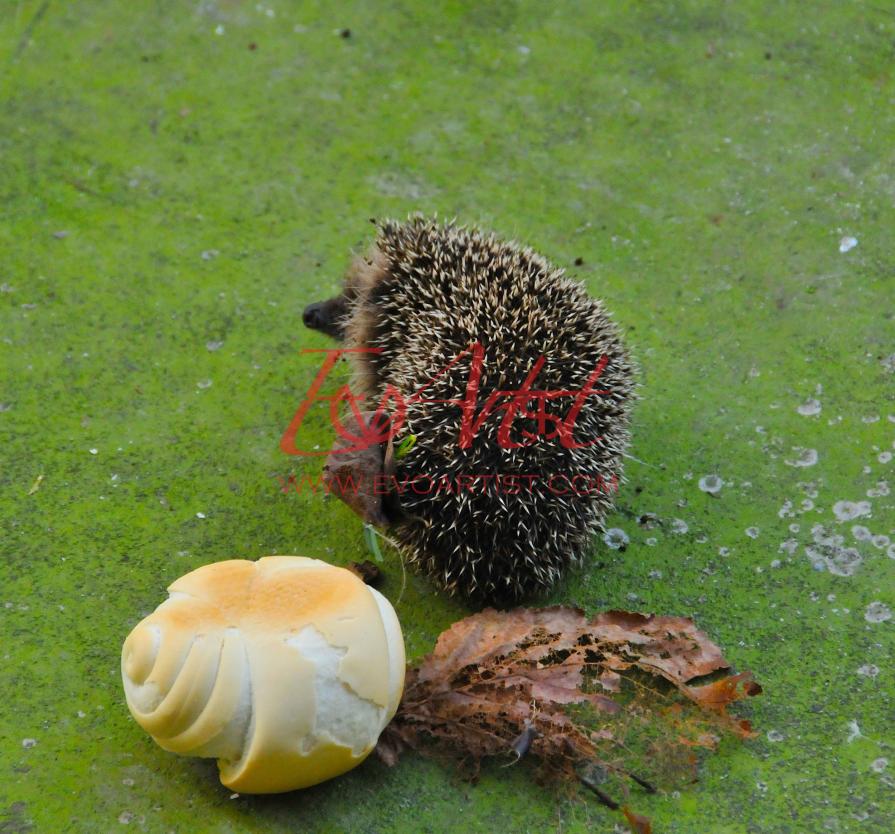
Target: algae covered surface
[180, 179]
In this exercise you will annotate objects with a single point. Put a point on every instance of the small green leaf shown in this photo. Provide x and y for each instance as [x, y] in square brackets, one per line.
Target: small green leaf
[405, 446]
[372, 540]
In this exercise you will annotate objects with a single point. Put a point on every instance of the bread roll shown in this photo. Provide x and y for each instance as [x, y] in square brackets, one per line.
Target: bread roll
[286, 670]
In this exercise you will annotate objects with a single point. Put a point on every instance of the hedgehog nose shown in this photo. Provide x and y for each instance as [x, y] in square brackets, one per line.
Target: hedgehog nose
[313, 316]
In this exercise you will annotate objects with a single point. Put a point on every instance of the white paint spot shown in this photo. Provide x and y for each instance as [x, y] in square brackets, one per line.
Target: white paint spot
[200, 515]
[752, 532]
[210, 254]
[679, 526]
[203, 384]
[847, 510]
[652, 541]
[804, 457]
[861, 533]
[219, 29]
[94, 451]
[28, 743]
[655, 574]
[854, 731]
[809, 408]
[775, 735]
[790, 546]
[125, 817]
[879, 765]
[616, 538]
[880, 541]
[214, 345]
[724, 551]
[786, 510]
[523, 50]
[794, 528]
[711, 484]
[884, 457]
[879, 491]
[871, 418]
[888, 363]
[868, 670]
[877, 612]
[847, 243]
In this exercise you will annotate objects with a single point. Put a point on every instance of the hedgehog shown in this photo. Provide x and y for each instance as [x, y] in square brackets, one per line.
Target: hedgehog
[515, 392]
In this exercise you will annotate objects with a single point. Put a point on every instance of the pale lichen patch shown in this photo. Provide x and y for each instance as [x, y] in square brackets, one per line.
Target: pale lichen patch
[847, 510]
[803, 457]
[810, 408]
[877, 612]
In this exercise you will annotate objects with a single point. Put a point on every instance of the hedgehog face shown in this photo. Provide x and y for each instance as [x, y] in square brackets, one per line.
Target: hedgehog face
[343, 316]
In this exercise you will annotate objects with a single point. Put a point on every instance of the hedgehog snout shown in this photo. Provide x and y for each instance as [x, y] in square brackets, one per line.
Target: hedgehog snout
[326, 316]
[313, 316]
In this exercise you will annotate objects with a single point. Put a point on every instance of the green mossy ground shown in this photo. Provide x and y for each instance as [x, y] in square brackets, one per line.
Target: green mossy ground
[703, 159]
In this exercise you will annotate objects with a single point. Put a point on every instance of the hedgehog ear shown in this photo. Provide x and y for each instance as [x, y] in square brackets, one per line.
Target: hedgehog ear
[327, 316]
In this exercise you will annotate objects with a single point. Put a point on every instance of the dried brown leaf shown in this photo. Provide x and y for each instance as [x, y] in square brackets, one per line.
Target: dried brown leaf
[618, 692]
[351, 473]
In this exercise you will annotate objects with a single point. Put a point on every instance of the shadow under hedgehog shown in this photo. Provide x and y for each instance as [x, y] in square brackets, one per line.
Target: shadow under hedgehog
[512, 385]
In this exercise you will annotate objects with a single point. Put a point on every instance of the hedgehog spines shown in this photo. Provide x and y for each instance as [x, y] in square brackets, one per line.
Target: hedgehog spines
[423, 295]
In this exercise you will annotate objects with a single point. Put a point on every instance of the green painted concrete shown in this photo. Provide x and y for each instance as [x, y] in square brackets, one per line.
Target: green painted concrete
[703, 159]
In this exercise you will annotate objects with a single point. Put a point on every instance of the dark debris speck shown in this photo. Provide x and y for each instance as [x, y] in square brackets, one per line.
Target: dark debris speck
[368, 571]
